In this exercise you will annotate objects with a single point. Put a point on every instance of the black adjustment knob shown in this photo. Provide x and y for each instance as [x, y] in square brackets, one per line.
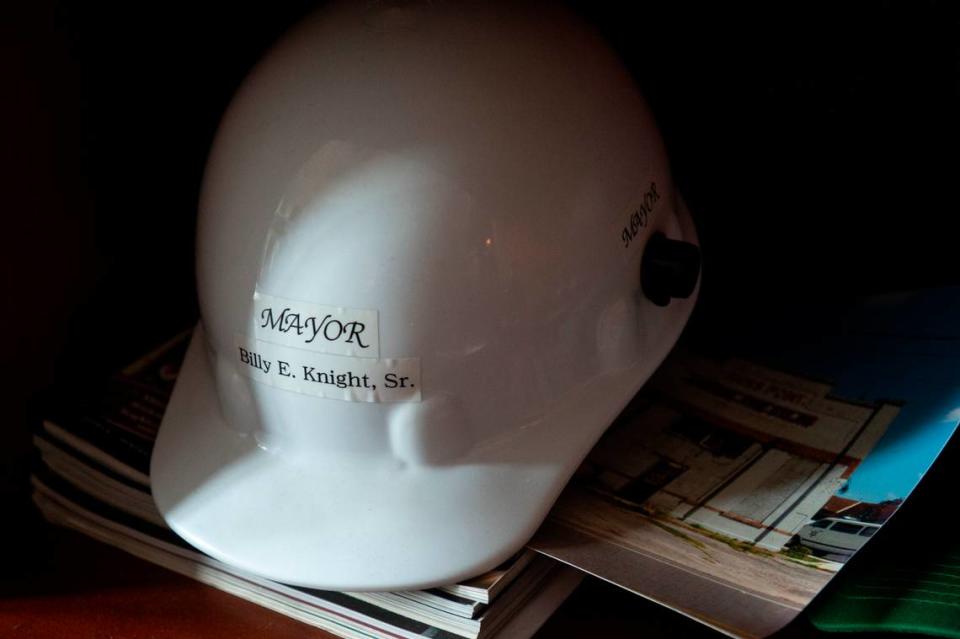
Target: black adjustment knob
[670, 268]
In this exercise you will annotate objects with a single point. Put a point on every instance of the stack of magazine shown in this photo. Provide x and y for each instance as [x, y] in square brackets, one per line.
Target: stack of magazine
[732, 489]
[92, 476]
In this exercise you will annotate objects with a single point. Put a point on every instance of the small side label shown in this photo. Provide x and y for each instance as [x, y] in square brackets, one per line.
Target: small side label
[351, 379]
[639, 218]
[324, 329]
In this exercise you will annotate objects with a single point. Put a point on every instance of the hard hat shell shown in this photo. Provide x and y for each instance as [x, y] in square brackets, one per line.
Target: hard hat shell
[419, 267]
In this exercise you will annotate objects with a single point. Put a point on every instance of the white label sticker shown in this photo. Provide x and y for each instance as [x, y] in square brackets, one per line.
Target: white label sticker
[351, 379]
[324, 329]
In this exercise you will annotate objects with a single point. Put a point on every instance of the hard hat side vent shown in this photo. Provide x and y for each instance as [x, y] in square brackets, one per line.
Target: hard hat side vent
[670, 269]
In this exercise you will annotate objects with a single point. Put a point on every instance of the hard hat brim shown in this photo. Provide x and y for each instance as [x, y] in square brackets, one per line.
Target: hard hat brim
[343, 524]
[375, 522]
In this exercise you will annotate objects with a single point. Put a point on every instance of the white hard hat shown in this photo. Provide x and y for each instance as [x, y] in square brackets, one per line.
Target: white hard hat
[439, 250]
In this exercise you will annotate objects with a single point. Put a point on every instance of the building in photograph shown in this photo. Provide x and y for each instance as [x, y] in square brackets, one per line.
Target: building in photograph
[872, 512]
[737, 448]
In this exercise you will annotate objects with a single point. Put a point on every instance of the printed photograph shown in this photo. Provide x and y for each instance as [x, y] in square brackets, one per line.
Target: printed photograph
[742, 483]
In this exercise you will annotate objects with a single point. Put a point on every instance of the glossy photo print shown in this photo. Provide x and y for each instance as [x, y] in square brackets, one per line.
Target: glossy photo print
[740, 481]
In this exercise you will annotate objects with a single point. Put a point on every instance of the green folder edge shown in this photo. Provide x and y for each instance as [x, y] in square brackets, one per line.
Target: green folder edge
[908, 579]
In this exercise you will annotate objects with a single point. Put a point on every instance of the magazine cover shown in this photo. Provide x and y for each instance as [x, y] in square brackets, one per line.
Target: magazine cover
[738, 483]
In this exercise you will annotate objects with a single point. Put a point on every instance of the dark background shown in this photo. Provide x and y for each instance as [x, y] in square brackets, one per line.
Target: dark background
[816, 144]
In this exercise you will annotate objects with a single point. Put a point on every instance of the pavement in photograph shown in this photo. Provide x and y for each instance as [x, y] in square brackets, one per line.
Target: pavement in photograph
[733, 590]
